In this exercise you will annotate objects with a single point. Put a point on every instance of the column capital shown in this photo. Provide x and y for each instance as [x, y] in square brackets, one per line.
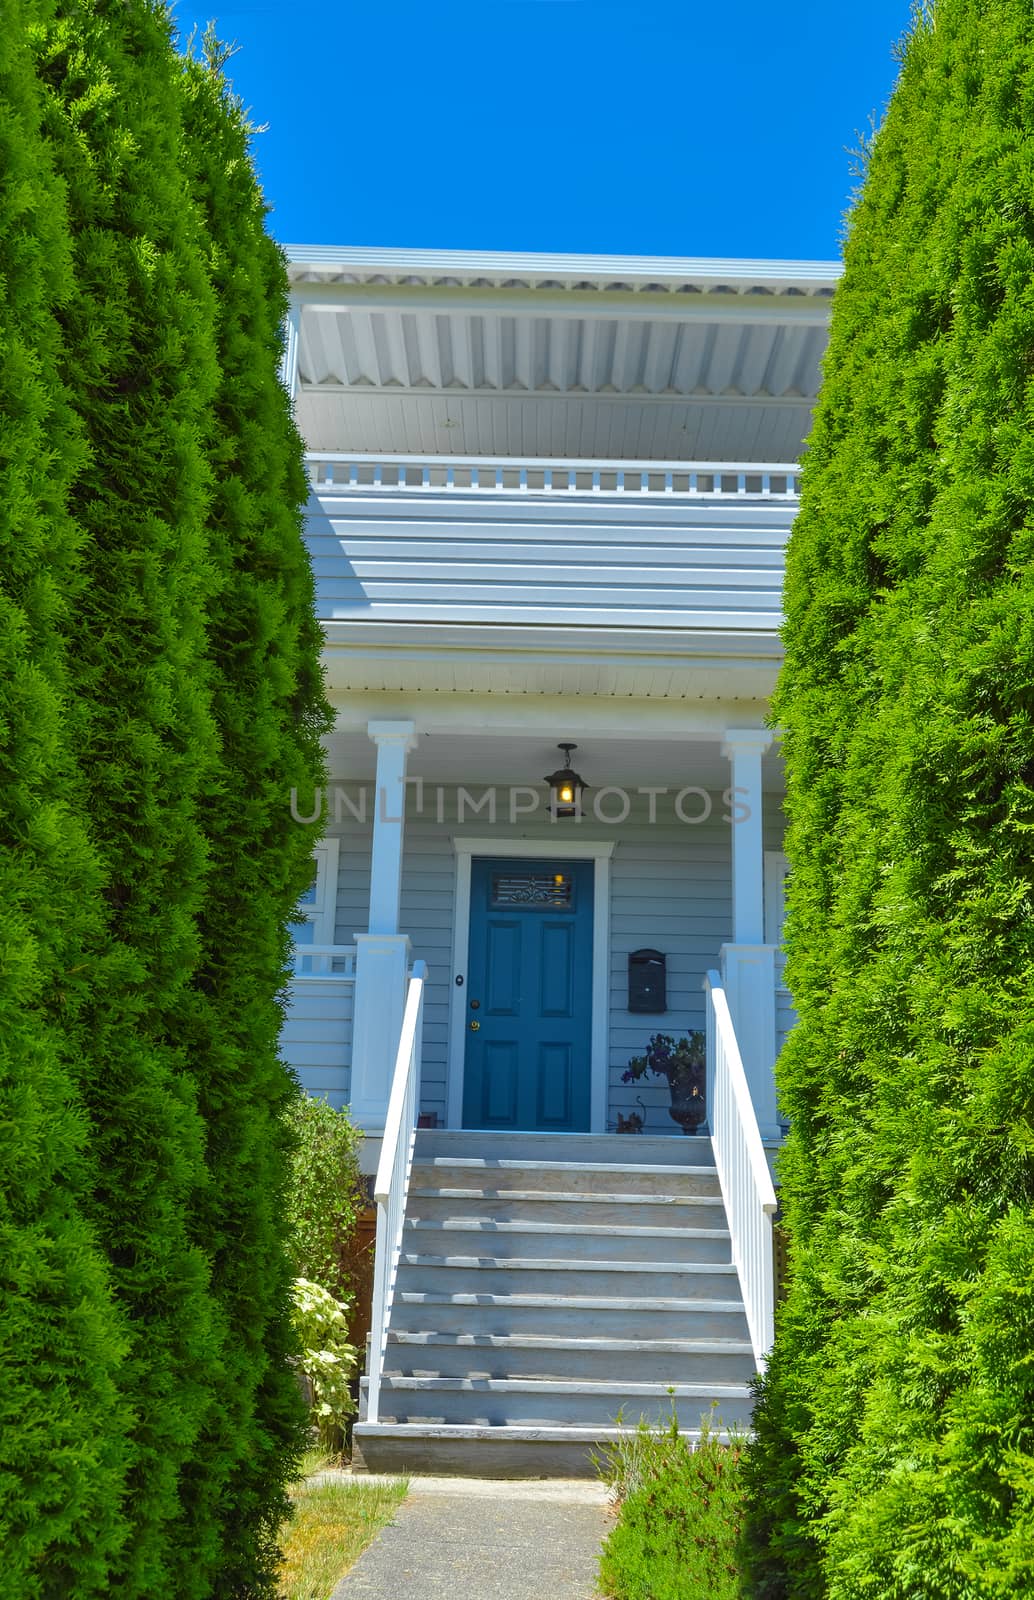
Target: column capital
[383, 732]
[750, 740]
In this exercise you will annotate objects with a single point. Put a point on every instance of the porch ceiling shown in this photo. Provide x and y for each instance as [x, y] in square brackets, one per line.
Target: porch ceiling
[446, 758]
[410, 351]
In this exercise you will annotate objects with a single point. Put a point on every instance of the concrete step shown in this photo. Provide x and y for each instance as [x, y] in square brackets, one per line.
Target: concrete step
[480, 1452]
[551, 1205]
[622, 1150]
[600, 1316]
[565, 1278]
[505, 1402]
[440, 1355]
[451, 1172]
[581, 1241]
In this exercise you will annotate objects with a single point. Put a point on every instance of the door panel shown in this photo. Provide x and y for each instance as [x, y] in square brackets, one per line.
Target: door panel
[500, 1083]
[528, 1013]
[557, 950]
[554, 1085]
[502, 986]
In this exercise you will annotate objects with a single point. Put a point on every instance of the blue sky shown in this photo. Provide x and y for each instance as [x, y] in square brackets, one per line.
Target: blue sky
[649, 128]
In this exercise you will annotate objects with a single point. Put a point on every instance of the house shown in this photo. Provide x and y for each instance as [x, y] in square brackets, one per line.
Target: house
[549, 503]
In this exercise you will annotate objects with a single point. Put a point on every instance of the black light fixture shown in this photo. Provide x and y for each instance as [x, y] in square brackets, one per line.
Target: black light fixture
[565, 786]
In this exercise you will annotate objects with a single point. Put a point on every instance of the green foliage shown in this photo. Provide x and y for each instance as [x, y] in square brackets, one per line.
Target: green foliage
[160, 696]
[895, 1449]
[263, 669]
[327, 1359]
[680, 1516]
[325, 1192]
[63, 1421]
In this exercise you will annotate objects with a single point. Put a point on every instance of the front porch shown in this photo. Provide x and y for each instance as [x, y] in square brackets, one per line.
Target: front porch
[681, 837]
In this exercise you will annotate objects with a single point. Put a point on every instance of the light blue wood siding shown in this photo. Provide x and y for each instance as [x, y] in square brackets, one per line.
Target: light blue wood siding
[316, 1040]
[675, 562]
[670, 890]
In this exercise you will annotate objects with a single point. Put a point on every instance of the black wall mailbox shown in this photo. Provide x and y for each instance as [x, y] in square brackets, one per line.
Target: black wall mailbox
[647, 981]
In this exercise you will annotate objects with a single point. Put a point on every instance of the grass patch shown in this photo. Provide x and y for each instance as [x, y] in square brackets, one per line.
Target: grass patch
[680, 1510]
[332, 1525]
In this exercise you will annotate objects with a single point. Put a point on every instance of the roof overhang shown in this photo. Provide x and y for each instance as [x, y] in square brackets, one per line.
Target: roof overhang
[591, 356]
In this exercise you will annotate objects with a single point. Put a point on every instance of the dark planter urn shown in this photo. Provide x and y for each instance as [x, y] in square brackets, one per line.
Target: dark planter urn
[688, 1106]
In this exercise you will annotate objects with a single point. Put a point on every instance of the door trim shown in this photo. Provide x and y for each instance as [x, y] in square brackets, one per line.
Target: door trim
[599, 851]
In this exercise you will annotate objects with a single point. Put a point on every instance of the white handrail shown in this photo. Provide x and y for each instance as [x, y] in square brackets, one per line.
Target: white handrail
[391, 1185]
[746, 1183]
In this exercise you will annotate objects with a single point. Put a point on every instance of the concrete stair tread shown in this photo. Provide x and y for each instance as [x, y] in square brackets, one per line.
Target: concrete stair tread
[567, 1386]
[430, 1297]
[508, 1164]
[579, 1264]
[545, 1341]
[578, 1229]
[593, 1197]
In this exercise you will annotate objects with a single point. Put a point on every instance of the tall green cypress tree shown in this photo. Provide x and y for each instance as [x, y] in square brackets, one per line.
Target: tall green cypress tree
[267, 699]
[63, 1422]
[895, 1452]
[138, 362]
[160, 696]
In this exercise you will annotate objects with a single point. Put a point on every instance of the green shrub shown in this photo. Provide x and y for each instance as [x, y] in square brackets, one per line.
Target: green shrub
[327, 1360]
[895, 1436]
[325, 1193]
[681, 1508]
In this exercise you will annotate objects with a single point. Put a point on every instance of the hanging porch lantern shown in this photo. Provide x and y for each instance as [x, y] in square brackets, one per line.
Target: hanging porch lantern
[565, 786]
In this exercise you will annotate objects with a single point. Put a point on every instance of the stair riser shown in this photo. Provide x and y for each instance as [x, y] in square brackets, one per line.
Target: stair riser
[707, 1212]
[621, 1180]
[481, 1458]
[564, 1246]
[559, 1410]
[601, 1366]
[560, 1321]
[621, 1150]
[565, 1283]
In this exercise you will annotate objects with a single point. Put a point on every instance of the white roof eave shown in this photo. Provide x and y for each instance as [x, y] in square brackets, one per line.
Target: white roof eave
[608, 274]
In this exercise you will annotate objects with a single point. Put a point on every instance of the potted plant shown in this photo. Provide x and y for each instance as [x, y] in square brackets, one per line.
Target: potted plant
[684, 1064]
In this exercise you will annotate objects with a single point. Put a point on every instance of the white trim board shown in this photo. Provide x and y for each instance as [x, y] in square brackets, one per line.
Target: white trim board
[599, 851]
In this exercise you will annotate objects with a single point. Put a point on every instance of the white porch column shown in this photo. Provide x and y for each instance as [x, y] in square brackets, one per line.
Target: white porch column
[744, 748]
[748, 963]
[382, 953]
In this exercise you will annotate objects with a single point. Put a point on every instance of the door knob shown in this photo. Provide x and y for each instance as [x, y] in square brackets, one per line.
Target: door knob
[475, 1026]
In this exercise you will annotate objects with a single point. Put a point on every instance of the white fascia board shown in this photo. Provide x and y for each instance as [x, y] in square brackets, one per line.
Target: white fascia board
[530, 270]
[516, 640]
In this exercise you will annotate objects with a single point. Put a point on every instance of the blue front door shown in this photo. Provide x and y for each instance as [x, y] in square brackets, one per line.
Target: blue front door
[528, 1010]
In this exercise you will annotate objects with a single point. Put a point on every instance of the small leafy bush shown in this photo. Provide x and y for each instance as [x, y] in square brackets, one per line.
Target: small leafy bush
[680, 1516]
[325, 1193]
[327, 1359]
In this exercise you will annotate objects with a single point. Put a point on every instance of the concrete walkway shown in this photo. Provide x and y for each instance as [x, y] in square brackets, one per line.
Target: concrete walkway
[481, 1539]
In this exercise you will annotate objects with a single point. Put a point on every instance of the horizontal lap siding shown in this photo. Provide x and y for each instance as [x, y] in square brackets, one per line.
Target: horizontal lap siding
[316, 1040]
[712, 564]
[670, 891]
